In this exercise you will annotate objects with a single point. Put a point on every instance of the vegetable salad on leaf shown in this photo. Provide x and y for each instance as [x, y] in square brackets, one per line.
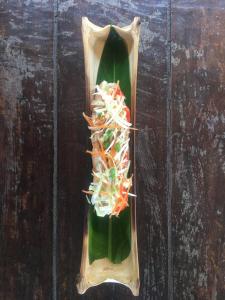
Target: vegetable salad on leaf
[110, 130]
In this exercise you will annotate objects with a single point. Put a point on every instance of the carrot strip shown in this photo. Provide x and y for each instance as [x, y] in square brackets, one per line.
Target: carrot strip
[87, 192]
[88, 119]
[119, 182]
[109, 126]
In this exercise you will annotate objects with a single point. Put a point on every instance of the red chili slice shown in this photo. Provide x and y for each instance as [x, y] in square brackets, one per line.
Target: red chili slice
[118, 91]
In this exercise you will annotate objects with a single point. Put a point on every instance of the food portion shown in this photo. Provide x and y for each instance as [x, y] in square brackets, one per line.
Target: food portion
[110, 135]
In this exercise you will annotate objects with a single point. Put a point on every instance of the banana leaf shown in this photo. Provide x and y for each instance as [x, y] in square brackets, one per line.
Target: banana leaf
[111, 236]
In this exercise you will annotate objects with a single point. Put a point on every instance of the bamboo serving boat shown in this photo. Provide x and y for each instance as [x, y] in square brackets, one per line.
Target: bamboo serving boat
[110, 243]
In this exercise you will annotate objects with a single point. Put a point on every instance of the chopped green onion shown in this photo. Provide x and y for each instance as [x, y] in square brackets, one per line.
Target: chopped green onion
[108, 134]
[117, 147]
[112, 174]
[106, 144]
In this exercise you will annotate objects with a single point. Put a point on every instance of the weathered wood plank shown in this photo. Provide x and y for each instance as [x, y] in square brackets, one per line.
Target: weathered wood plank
[26, 152]
[151, 144]
[199, 3]
[198, 51]
[25, 149]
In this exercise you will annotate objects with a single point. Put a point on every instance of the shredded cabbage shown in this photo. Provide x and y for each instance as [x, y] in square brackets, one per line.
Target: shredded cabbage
[110, 130]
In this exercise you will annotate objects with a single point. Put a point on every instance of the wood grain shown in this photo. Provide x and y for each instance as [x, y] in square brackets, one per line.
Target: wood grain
[198, 51]
[197, 168]
[25, 149]
[151, 139]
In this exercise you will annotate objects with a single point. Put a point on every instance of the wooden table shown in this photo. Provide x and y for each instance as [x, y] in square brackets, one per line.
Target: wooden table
[180, 148]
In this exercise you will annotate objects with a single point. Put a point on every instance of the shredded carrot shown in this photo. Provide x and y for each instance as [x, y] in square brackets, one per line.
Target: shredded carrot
[87, 192]
[108, 126]
[114, 181]
[88, 119]
[93, 153]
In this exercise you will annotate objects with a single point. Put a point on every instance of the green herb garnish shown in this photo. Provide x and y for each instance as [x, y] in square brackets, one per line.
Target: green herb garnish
[117, 147]
[112, 174]
[106, 144]
[108, 135]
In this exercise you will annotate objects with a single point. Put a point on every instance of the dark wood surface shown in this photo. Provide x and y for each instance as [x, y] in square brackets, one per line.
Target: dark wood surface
[180, 153]
[198, 206]
[26, 149]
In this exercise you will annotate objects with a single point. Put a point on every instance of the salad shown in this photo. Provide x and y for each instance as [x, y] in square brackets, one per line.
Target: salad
[110, 130]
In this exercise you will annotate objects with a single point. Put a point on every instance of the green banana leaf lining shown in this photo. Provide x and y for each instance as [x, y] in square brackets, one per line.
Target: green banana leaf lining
[111, 237]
